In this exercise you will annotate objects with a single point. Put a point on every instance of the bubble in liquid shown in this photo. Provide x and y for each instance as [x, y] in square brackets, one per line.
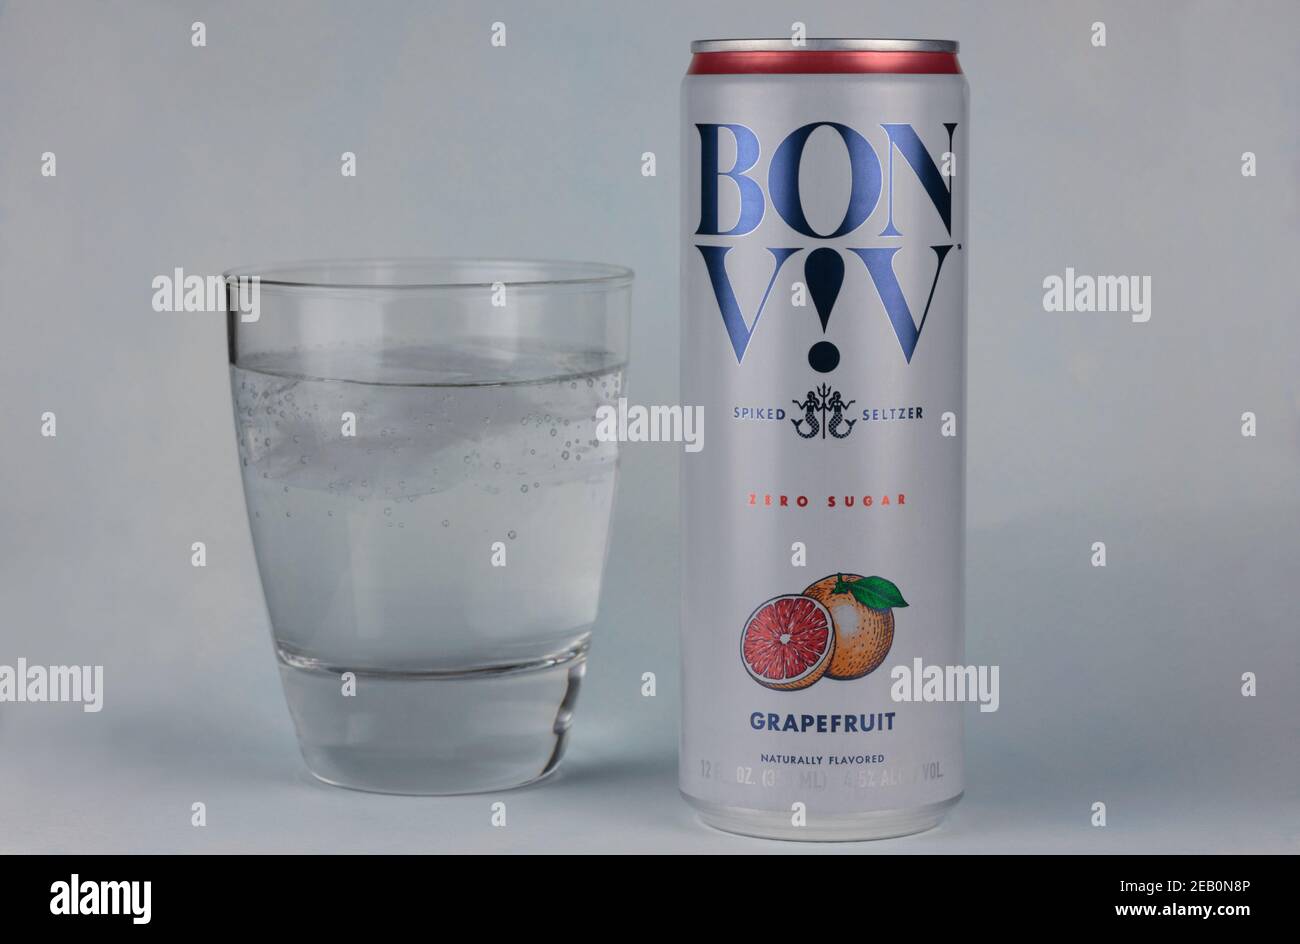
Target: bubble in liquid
[523, 488]
[446, 523]
[496, 465]
[554, 431]
[511, 535]
[565, 454]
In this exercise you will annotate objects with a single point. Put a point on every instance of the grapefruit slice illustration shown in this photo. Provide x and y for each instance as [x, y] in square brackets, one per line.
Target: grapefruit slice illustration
[788, 642]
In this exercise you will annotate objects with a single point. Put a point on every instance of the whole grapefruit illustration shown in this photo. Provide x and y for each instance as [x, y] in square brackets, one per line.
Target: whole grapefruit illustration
[862, 614]
[787, 642]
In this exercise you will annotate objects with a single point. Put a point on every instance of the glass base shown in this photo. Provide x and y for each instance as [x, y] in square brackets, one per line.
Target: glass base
[434, 733]
[847, 827]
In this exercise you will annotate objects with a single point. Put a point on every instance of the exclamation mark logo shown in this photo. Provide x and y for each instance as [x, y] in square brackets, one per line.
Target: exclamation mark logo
[823, 273]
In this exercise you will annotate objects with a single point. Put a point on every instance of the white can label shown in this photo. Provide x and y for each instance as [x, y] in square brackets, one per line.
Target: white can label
[824, 270]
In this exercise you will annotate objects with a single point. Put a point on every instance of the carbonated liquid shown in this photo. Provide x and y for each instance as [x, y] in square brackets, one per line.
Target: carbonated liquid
[434, 514]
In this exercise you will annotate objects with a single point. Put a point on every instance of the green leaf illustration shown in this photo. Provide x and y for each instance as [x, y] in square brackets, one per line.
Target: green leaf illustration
[875, 592]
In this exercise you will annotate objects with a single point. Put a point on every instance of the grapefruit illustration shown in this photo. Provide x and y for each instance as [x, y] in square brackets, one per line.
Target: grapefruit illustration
[862, 615]
[787, 642]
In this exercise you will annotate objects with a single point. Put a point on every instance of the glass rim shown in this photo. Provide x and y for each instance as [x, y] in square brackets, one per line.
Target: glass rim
[518, 272]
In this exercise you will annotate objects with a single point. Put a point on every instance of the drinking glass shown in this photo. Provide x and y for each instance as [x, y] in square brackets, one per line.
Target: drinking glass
[429, 503]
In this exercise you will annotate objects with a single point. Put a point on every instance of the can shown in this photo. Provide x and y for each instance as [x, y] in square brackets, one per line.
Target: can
[823, 519]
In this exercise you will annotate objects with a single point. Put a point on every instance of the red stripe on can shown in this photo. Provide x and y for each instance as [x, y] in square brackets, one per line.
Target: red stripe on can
[821, 62]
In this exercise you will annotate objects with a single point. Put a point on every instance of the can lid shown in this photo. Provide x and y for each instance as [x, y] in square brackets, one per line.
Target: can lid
[825, 45]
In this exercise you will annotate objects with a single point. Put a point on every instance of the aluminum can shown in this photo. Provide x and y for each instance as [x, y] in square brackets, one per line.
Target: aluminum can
[823, 519]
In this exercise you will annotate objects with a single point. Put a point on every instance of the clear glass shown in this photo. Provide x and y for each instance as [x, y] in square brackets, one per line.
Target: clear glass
[430, 505]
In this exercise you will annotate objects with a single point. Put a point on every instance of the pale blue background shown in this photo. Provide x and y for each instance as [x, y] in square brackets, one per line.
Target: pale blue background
[1119, 685]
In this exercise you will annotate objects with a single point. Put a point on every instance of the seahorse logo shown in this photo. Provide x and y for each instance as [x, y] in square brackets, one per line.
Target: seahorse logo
[823, 412]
